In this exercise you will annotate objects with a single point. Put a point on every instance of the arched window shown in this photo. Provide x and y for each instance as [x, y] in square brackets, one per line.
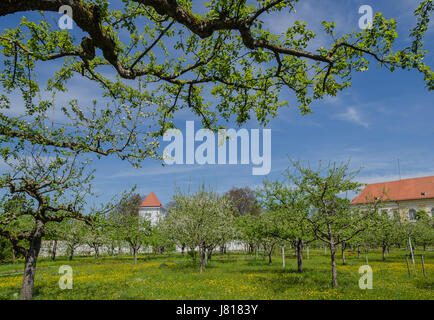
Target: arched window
[412, 215]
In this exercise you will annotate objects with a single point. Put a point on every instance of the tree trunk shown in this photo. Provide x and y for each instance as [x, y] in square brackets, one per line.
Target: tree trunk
[119, 251]
[384, 253]
[71, 253]
[270, 253]
[30, 261]
[193, 250]
[96, 252]
[135, 255]
[300, 255]
[334, 270]
[200, 262]
[358, 251]
[343, 253]
[201, 258]
[182, 249]
[13, 254]
[283, 256]
[53, 252]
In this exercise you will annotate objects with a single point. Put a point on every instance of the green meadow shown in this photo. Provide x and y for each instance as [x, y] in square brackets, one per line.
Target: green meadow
[229, 276]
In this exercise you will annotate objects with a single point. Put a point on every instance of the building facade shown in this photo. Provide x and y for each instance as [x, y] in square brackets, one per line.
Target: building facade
[151, 209]
[401, 198]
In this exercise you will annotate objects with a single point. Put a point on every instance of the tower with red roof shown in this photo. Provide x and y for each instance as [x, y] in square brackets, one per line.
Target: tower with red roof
[151, 208]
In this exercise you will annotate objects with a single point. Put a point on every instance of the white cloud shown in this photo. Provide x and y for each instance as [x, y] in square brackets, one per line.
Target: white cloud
[393, 177]
[155, 171]
[353, 115]
[354, 150]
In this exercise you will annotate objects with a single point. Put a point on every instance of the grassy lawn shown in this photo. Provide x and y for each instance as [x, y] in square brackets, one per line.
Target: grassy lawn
[231, 276]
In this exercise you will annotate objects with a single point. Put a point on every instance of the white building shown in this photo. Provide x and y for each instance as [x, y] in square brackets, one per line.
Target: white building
[402, 198]
[151, 209]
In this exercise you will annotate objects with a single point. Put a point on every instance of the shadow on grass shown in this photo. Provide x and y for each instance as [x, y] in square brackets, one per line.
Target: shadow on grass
[291, 279]
[425, 283]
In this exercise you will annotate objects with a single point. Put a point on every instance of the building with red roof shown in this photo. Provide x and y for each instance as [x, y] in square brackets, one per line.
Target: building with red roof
[151, 208]
[402, 197]
[151, 200]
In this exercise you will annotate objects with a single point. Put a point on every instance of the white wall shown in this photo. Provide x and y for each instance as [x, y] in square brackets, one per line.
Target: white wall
[152, 214]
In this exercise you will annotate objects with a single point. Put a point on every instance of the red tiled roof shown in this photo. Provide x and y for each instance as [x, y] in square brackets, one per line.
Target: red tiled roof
[407, 189]
[151, 201]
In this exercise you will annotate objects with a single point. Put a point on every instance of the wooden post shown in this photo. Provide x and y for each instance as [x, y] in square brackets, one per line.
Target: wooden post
[343, 253]
[408, 265]
[423, 265]
[412, 255]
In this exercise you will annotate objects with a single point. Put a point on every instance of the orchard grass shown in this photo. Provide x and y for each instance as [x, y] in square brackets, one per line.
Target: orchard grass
[230, 276]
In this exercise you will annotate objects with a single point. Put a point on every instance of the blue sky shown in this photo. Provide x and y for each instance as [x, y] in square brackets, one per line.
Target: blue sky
[382, 117]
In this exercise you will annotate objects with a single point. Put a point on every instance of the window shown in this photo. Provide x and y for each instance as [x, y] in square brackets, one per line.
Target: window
[396, 214]
[412, 215]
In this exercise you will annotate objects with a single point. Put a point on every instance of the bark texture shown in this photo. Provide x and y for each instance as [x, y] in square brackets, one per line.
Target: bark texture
[30, 261]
